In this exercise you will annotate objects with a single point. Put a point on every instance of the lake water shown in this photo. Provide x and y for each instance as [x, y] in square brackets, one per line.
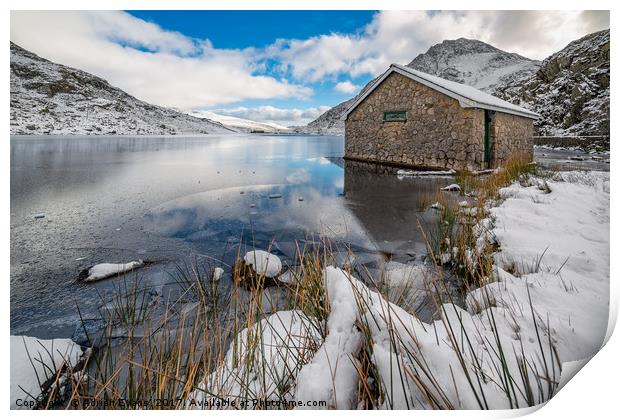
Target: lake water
[178, 199]
[173, 199]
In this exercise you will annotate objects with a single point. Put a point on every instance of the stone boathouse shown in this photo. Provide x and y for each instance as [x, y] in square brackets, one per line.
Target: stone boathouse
[409, 118]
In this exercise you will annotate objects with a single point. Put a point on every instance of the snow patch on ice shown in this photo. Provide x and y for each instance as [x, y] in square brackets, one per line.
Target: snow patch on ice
[406, 172]
[217, 273]
[105, 270]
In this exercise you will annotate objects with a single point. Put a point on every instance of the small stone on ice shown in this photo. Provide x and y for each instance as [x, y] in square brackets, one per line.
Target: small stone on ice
[275, 195]
[217, 273]
[452, 187]
[300, 199]
[39, 215]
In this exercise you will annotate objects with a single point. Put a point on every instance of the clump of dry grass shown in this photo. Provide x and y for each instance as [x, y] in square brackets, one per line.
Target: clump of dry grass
[463, 233]
[486, 186]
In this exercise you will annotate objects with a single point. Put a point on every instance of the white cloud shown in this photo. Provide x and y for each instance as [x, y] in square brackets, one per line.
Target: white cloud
[399, 36]
[299, 176]
[155, 65]
[271, 114]
[171, 69]
[346, 87]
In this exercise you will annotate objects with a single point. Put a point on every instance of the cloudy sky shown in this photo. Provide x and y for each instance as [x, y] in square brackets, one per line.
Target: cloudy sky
[282, 67]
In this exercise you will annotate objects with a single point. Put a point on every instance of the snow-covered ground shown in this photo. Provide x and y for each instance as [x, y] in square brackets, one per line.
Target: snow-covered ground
[566, 234]
[34, 361]
[548, 305]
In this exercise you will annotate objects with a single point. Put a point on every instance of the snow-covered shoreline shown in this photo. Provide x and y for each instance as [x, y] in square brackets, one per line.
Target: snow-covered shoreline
[547, 305]
[33, 362]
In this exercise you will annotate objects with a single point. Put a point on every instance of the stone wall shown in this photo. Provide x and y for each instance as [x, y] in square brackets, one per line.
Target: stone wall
[438, 133]
[512, 135]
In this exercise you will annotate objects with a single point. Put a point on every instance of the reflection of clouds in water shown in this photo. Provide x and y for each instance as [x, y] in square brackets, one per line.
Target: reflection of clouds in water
[187, 215]
[215, 215]
[299, 176]
[321, 161]
[318, 213]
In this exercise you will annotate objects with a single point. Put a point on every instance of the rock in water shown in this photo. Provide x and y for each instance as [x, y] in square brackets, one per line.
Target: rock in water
[263, 263]
[105, 270]
[452, 187]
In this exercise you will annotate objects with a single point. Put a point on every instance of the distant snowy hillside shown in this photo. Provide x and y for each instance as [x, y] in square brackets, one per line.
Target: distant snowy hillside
[570, 91]
[240, 124]
[49, 98]
[328, 122]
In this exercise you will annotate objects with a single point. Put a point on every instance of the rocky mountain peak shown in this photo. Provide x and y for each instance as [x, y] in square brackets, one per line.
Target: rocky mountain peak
[473, 63]
[455, 47]
[570, 90]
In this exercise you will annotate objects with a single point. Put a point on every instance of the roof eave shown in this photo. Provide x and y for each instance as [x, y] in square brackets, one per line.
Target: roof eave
[530, 115]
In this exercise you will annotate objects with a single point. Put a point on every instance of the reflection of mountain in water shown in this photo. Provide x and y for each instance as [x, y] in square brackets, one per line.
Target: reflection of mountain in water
[338, 161]
[388, 207]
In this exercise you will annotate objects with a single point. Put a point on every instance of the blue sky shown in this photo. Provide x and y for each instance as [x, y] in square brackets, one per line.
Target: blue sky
[259, 29]
[285, 67]
[241, 29]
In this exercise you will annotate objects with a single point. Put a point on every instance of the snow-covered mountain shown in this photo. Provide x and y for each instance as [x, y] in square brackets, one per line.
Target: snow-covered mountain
[473, 63]
[241, 124]
[570, 91]
[49, 98]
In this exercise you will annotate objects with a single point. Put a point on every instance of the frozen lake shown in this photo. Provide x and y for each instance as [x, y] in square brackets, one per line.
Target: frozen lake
[179, 199]
[176, 199]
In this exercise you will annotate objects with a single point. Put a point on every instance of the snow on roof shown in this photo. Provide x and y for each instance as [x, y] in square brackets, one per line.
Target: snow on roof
[468, 97]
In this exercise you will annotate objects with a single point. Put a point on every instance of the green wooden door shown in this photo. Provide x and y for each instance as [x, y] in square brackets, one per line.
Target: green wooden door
[487, 128]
